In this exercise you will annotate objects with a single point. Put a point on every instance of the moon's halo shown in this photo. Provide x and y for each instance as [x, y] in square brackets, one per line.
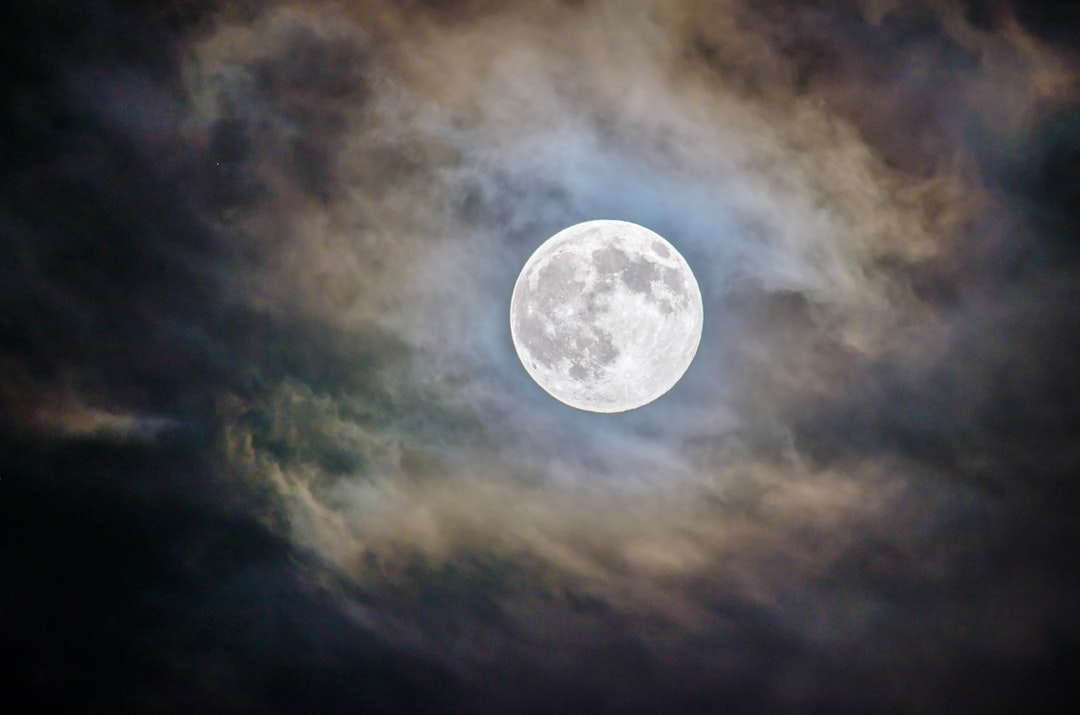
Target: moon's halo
[606, 316]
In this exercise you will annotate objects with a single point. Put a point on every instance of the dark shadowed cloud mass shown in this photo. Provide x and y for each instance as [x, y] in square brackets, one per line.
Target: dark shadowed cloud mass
[265, 445]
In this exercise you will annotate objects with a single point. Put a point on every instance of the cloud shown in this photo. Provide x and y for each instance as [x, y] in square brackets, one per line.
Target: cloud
[300, 238]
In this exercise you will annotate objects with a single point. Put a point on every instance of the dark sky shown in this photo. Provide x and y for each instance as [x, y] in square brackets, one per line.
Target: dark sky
[265, 445]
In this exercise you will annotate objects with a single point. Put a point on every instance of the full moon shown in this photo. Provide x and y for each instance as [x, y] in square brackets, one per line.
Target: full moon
[606, 316]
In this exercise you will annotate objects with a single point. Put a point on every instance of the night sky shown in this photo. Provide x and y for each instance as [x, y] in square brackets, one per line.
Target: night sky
[266, 447]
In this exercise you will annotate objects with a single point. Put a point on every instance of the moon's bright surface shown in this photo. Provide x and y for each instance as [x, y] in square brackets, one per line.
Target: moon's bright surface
[606, 316]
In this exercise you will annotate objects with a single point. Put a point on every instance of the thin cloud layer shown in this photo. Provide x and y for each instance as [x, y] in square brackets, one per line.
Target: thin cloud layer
[282, 244]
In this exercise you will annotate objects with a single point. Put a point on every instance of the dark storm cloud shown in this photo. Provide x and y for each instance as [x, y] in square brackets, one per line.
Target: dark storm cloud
[137, 574]
[269, 448]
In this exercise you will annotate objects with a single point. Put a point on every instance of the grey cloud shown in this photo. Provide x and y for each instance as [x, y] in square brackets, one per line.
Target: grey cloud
[302, 242]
